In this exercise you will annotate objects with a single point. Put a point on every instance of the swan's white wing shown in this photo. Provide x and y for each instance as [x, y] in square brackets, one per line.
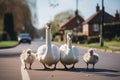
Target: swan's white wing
[62, 51]
[41, 50]
[75, 51]
[55, 51]
[86, 57]
[96, 57]
[63, 47]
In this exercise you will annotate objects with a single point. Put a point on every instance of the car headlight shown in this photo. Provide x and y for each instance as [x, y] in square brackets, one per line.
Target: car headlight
[19, 38]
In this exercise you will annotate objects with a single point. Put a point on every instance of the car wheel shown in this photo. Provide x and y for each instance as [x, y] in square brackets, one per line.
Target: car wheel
[29, 42]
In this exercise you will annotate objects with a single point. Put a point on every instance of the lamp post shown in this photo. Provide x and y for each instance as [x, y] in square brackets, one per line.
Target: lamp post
[102, 26]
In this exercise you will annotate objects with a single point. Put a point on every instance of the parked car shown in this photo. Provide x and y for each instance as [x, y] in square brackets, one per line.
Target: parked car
[24, 38]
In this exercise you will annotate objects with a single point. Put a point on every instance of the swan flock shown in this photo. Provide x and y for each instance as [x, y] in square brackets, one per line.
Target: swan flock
[50, 54]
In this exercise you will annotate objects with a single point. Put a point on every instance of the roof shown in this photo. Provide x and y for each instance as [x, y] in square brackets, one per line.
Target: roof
[72, 22]
[96, 18]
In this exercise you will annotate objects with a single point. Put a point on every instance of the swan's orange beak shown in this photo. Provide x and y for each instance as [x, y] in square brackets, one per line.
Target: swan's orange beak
[48, 26]
[70, 38]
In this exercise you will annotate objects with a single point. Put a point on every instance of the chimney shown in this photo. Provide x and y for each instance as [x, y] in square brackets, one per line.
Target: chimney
[97, 8]
[76, 12]
[116, 16]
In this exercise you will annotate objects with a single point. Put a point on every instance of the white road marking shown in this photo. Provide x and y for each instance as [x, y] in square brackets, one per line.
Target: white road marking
[24, 73]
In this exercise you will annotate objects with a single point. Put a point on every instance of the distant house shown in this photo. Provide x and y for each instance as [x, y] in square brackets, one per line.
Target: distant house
[92, 26]
[74, 22]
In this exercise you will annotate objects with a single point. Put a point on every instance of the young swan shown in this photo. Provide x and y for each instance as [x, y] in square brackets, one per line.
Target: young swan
[27, 57]
[91, 58]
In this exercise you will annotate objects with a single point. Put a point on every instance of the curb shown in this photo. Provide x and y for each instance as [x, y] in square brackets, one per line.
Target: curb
[8, 47]
[102, 50]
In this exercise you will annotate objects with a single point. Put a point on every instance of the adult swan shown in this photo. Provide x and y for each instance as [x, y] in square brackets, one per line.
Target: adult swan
[69, 54]
[48, 54]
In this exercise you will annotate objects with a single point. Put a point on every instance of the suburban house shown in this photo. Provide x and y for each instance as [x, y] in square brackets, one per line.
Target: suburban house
[92, 25]
[73, 24]
[89, 30]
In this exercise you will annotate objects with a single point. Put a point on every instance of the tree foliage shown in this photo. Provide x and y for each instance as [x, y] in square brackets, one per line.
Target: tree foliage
[21, 14]
[60, 18]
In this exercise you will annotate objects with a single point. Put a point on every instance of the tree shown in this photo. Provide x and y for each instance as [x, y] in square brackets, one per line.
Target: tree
[21, 15]
[60, 18]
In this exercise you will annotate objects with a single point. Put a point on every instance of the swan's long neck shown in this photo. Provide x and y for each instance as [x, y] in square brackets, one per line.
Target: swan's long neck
[48, 39]
[69, 43]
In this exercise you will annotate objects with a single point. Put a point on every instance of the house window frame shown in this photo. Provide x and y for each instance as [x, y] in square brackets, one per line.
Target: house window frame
[96, 27]
[85, 27]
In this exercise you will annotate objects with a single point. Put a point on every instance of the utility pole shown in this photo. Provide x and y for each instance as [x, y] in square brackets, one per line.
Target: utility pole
[76, 5]
[102, 26]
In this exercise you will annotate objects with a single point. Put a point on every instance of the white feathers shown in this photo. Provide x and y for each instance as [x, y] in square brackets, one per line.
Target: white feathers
[91, 57]
[48, 54]
[27, 57]
[69, 54]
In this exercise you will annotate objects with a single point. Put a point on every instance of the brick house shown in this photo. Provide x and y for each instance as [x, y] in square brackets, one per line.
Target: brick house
[73, 24]
[92, 25]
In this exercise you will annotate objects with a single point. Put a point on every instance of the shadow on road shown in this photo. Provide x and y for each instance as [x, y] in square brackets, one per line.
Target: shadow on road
[78, 70]
[4, 55]
[102, 72]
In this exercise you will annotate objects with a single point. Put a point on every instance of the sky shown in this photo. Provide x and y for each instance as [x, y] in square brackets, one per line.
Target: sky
[46, 13]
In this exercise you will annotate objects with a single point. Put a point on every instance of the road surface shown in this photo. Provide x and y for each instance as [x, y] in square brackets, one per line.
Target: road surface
[108, 68]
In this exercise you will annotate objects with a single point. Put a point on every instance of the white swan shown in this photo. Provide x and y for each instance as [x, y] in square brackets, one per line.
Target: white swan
[48, 54]
[91, 58]
[27, 57]
[69, 54]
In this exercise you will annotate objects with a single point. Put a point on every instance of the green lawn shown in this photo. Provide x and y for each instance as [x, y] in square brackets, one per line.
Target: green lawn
[108, 45]
[8, 44]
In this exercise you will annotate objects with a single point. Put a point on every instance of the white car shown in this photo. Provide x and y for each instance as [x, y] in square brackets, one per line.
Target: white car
[24, 38]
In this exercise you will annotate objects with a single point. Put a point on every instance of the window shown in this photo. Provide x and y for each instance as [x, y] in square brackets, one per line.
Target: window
[85, 27]
[96, 27]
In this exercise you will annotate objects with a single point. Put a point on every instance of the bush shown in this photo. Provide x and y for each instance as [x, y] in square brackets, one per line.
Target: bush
[116, 38]
[80, 39]
[93, 39]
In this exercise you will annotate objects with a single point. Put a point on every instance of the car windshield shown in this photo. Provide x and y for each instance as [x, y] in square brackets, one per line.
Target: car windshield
[24, 35]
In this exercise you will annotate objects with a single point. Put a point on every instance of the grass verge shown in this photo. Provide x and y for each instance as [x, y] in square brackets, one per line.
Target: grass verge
[108, 45]
[7, 44]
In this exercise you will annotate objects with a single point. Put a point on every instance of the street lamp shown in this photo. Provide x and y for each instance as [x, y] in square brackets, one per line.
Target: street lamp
[102, 25]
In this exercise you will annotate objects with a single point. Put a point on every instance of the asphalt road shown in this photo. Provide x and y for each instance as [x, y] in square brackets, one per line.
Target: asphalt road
[108, 67]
